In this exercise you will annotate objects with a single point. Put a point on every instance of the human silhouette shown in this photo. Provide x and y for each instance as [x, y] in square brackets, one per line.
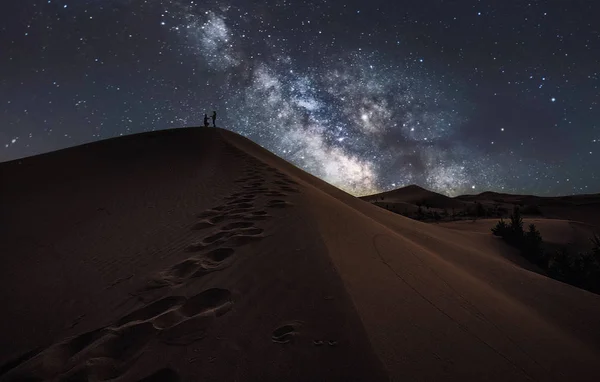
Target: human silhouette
[206, 120]
[214, 118]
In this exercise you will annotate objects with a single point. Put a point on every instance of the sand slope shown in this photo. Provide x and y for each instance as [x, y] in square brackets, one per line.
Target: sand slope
[194, 254]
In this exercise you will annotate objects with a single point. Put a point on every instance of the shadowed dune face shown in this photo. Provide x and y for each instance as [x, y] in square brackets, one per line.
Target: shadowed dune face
[169, 256]
[194, 254]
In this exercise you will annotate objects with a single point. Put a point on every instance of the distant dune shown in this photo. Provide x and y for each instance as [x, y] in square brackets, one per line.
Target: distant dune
[582, 208]
[579, 208]
[196, 255]
[416, 195]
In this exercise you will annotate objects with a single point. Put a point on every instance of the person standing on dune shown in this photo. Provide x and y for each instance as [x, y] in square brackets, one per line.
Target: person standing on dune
[206, 120]
[214, 118]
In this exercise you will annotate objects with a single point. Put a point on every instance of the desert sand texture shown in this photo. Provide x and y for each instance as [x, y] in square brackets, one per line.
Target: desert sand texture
[196, 255]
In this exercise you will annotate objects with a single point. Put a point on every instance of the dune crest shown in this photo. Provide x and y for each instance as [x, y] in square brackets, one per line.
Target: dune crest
[194, 254]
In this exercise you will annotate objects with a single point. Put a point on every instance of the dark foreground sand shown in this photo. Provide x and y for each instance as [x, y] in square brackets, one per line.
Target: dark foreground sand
[195, 255]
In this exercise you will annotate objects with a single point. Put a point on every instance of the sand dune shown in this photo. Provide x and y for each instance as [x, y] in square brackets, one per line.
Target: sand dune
[415, 195]
[194, 254]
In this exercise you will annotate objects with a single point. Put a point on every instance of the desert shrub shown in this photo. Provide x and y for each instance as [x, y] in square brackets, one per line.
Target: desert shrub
[530, 243]
[559, 265]
[596, 247]
[515, 232]
[500, 229]
[502, 210]
[479, 209]
[580, 269]
[516, 221]
[467, 211]
[532, 247]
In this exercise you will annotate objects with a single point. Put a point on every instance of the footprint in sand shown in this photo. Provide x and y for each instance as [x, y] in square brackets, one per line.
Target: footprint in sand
[231, 207]
[237, 225]
[203, 225]
[236, 232]
[244, 180]
[284, 334]
[109, 353]
[216, 237]
[275, 194]
[239, 211]
[256, 216]
[214, 301]
[288, 189]
[235, 195]
[245, 200]
[212, 261]
[199, 313]
[240, 240]
[291, 182]
[255, 189]
[207, 214]
[277, 203]
[98, 355]
[247, 195]
[196, 266]
[152, 310]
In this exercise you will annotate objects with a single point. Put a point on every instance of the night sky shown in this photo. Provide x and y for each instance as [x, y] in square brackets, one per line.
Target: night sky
[457, 96]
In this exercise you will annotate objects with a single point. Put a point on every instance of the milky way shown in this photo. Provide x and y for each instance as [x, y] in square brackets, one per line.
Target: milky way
[368, 96]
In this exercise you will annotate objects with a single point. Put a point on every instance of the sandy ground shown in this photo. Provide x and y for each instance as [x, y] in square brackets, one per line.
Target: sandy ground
[194, 254]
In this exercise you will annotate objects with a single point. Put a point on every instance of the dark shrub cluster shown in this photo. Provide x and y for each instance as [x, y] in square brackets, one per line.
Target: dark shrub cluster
[480, 210]
[581, 269]
[531, 209]
[529, 242]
